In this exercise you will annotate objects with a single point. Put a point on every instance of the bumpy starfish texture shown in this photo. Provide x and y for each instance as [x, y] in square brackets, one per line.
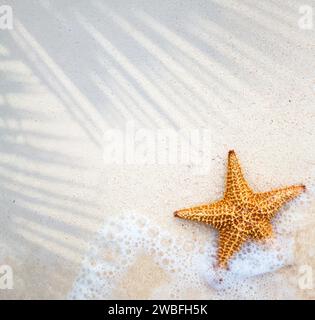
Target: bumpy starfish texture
[242, 214]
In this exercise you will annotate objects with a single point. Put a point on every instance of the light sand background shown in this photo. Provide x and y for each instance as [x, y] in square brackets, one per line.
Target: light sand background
[70, 70]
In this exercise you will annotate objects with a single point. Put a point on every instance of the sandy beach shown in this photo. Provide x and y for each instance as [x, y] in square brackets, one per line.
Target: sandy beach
[97, 102]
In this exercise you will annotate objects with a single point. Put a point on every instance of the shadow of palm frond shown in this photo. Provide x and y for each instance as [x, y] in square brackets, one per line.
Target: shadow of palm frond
[46, 215]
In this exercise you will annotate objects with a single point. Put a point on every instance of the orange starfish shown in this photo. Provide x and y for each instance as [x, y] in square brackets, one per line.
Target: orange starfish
[242, 214]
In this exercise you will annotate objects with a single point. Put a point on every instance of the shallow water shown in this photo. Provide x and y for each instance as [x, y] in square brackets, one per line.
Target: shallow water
[134, 256]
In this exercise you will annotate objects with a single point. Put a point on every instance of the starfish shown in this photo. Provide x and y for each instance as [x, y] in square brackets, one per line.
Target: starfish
[241, 214]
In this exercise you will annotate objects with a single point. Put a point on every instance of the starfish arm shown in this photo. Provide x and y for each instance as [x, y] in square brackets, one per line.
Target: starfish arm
[218, 214]
[270, 202]
[230, 241]
[262, 229]
[236, 185]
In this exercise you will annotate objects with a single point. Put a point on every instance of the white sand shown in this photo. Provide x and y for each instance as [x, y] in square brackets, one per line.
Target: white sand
[242, 71]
